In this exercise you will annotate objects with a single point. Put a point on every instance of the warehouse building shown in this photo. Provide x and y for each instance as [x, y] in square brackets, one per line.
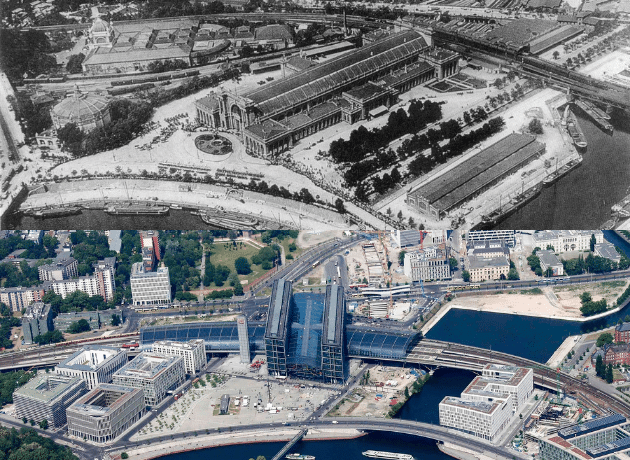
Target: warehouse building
[155, 374]
[105, 413]
[46, 397]
[475, 175]
[193, 352]
[36, 321]
[150, 288]
[94, 364]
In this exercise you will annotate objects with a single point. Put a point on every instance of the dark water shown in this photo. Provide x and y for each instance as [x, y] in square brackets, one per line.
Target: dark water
[423, 407]
[347, 449]
[583, 198]
[176, 219]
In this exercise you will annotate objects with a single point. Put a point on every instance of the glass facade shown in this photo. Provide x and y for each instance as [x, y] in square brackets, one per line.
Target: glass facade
[365, 342]
[221, 337]
[304, 359]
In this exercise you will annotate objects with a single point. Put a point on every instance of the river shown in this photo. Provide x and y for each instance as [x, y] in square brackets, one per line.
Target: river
[583, 198]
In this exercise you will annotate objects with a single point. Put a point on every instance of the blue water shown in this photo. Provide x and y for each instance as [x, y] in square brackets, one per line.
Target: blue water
[347, 449]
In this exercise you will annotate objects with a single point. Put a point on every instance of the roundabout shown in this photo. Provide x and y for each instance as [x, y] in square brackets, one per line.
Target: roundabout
[213, 144]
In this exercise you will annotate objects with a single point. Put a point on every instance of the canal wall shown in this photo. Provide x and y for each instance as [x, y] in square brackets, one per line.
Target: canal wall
[170, 447]
[462, 453]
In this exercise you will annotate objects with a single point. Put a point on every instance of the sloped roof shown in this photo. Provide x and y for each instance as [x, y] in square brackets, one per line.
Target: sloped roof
[274, 32]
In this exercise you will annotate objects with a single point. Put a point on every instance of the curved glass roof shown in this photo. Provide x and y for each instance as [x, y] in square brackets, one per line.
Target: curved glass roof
[370, 343]
[217, 336]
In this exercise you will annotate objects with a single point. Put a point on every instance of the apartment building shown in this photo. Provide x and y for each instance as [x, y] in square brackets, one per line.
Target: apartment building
[193, 352]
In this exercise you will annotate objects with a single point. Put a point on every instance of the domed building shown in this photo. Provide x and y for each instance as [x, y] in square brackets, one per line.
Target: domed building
[87, 112]
[101, 34]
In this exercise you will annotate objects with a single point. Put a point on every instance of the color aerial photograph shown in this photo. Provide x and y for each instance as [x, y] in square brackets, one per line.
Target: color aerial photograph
[315, 345]
[312, 115]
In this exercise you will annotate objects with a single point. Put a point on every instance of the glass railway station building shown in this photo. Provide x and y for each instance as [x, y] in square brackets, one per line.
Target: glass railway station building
[305, 336]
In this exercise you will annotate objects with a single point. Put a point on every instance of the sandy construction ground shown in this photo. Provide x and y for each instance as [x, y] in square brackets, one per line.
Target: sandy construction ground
[561, 302]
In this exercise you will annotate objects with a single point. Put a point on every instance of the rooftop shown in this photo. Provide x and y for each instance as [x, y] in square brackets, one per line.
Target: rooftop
[147, 366]
[591, 425]
[475, 262]
[548, 258]
[607, 250]
[103, 399]
[279, 309]
[47, 387]
[191, 344]
[477, 406]
[90, 358]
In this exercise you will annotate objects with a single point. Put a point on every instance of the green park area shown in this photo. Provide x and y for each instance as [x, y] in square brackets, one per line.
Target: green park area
[226, 253]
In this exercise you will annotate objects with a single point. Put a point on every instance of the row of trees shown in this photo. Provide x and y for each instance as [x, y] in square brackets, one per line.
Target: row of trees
[594, 264]
[75, 301]
[603, 371]
[304, 195]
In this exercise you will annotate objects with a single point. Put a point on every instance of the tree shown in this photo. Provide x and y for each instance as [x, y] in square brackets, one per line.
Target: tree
[535, 126]
[401, 257]
[115, 320]
[74, 63]
[556, 55]
[452, 261]
[124, 456]
[609, 374]
[242, 266]
[341, 208]
[599, 366]
[24, 419]
[466, 276]
[604, 339]
[79, 326]
[49, 337]
[43, 424]
[593, 242]
[513, 274]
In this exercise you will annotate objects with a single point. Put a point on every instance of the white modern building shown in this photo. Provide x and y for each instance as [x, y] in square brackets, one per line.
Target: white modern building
[101, 283]
[154, 373]
[193, 352]
[105, 413]
[93, 364]
[150, 288]
[406, 238]
[61, 270]
[46, 397]
[488, 402]
[507, 236]
[428, 264]
[567, 240]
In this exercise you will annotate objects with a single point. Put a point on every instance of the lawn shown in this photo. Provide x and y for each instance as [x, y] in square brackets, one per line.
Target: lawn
[285, 244]
[226, 254]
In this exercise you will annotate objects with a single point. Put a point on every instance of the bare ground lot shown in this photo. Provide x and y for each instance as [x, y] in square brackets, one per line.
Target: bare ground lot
[559, 302]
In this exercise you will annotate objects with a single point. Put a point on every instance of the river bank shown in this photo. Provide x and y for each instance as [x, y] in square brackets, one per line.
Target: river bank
[228, 439]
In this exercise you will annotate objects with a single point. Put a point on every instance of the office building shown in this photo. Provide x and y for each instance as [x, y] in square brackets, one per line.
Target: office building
[59, 270]
[36, 321]
[46, 397]
[486, 405]
[155, 374]
[567, 240]
[550, 261]
[332, 340]
[507, 236]
[105, 412]
[482, 269]
[94, 364]
[243, 339]
[606, 437]
[406, 238]
[193, 352]
[150, 288]
[428, 264]
[276, 331]
[17, 298]
[607, 251]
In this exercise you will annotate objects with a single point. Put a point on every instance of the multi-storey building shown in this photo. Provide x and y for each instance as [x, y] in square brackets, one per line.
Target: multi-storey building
[507, 236]
[150, 288]
[622, 333]
[46, 397]
[105, 412]
[428, 264]
[482, 269]
[61, 270]
[101, 283]
[276, 330]
[36, 321]
[488, 249]
[608, 251]
[406, 238]
[605, 437]
[193, 352]
[94, 364]
[150, 244]
[17, 298]
[613, 354]
[548, 260]
[567, 240]
[156, 374]
[488, 402]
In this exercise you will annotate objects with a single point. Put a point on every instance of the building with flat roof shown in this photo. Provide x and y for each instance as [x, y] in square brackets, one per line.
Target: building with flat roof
[150, 288]
[488, 402]
[276, 336]
[17, 298]
[607, 251]
[36, 321]
[94, 364]
[225, 404]
[96, 319]
[332, 339]
[488, 249]
[58, 270]
[429, 264]
[507, 236]
[193, 352]
[105, 412]
[154, 373]
[102, 282]
[484, 269]
[548, 260]
[604, 437]
[406, 238]
[475, 175]
[46, 397]
[567, 240]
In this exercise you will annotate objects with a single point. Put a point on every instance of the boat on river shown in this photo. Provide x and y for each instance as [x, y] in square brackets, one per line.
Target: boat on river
[387, 455]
